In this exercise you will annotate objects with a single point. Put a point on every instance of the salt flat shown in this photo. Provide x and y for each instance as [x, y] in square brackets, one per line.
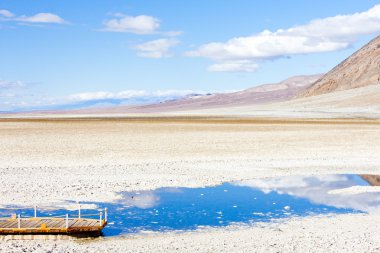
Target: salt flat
[50, 160]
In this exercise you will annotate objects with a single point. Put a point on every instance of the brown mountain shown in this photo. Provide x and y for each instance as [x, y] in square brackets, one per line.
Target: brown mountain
[263, 94]
[359, 70]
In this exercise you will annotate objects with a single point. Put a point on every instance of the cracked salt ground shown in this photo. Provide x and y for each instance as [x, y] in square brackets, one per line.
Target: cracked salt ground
[259, 200]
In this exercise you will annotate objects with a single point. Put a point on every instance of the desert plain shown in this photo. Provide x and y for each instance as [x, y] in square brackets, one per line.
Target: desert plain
[50, 160]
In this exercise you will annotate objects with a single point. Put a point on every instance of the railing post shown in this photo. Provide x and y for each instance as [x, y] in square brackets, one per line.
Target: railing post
[35, 211]
[79, 209]
[100, 218]
[105, 214]
[67, 221]
[19, 221]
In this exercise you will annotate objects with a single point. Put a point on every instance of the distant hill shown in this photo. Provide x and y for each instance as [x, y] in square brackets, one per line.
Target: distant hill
[268, 93]
[363, 102]
[359, 70]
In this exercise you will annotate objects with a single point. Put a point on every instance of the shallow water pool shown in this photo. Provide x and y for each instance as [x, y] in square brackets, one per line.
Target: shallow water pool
[259, 200]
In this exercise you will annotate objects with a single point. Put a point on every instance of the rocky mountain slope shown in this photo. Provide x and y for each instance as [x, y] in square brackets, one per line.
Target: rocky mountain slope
[359, 70]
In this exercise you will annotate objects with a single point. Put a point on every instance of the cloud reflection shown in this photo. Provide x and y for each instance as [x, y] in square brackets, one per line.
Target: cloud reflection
[143, 200]
[316, 189]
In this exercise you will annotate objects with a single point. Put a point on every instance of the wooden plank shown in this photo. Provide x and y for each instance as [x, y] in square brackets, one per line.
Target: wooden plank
[62, 224]
[58, 224]
[74, 222]
[81, 223]
[94, 223]
[27, 223]
[10, 221]
[90, 223]
[12, 224]
[86, 224]
[71, 222]
[51, 223]
[45, 220]
[6, 224]
[39, 223]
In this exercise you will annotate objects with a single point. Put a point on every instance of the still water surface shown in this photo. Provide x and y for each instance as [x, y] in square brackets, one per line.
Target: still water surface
[259, 200]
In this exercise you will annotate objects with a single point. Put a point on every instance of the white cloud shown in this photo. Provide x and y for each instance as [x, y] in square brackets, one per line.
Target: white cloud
[12, 94]
[157, 48]
[175, 93]
[42, 18]
[321, 35]
[234, 66]
[5, 84]
[142, 24]
[131, 94]
[101, 95]
[6, 13]
[37, 18]
[21, 99]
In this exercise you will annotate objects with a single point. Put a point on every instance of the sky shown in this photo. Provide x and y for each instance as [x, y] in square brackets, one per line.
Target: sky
[63, 54]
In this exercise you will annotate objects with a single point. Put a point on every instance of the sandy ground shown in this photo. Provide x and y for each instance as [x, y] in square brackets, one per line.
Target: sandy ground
[45, 161]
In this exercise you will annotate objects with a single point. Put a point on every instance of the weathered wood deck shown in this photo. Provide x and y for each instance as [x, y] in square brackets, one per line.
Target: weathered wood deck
[65, 225]
[51, 226]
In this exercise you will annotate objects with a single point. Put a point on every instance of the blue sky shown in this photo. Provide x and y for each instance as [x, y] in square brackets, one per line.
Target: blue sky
[64, 52]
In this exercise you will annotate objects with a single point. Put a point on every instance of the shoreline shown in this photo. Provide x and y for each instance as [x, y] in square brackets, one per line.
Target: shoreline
[310, 234]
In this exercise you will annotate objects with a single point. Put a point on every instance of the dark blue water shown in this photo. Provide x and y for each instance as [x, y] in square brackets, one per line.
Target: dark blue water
[260, 200]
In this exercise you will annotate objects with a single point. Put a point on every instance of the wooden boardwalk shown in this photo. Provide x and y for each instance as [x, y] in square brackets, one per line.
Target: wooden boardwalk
[53, 225]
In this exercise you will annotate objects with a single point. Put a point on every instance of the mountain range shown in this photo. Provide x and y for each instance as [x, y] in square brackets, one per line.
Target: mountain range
[351, 88]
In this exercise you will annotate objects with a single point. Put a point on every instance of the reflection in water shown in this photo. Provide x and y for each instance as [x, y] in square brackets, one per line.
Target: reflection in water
[246, 201]
[145, 200]
[315, 189]
[371, 179]
[260, 200]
